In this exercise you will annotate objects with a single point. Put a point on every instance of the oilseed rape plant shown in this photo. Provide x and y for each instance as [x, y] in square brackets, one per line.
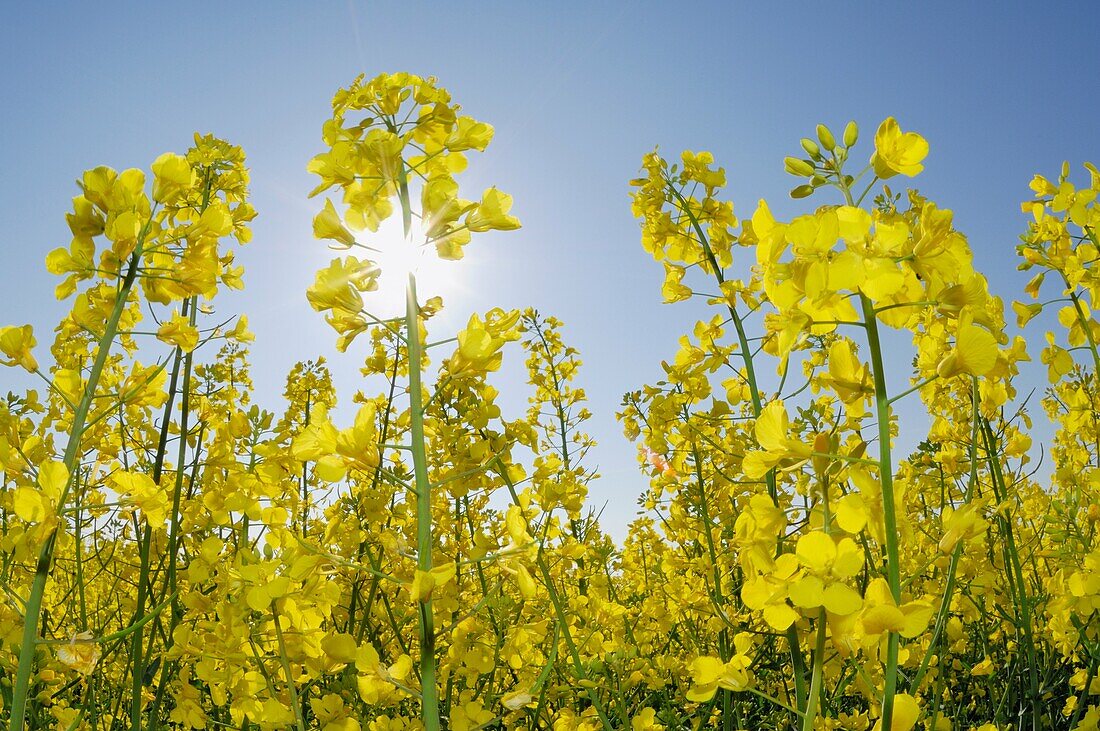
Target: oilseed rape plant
[826, 541]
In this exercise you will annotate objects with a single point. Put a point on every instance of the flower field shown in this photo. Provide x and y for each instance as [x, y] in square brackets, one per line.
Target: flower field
[174, 556]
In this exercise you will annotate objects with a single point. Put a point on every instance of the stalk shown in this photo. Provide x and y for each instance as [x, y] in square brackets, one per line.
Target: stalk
[889, 510]
[815, 682]
[190, 308]
[797, 661]
[295, 703]
[174, 527]
[559, 607]
[429, 693]
[956, 554]
[1016, 574]
[72, 452]
[566, 457]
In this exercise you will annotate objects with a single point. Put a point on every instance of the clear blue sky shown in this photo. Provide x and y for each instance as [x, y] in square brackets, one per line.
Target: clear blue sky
[577, 94]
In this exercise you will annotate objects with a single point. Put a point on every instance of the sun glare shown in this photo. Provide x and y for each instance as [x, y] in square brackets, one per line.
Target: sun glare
[397, 257]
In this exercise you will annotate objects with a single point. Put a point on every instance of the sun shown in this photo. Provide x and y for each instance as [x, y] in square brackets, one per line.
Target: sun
[397, 257]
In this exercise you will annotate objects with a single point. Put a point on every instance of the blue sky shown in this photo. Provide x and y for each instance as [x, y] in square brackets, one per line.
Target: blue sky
[577, 93]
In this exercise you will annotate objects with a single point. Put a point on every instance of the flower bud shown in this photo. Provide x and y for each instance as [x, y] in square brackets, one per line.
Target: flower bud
[826, 137]
[802, 191]
[801, 168]
[822, 447]
[948, 367]
[851, 133]
[811, 148]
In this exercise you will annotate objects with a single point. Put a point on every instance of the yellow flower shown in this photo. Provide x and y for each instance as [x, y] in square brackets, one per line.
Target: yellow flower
[39, 505]
[492, 213]
[425, 582]
[828, 565]
[480, 343]
[767, 593]
[338, 287]
[906, 713]
[172, 176]
[81, 654]
[881, 615]
[140, 489]
[16, 344]
[469, 134]
[516, 700]
[179, 332]
[778, 449]
[963, 523]
[897, 151]
[340, 647]
[975, 353]
[333, 714]
[327, 225]
[645, 720]
[674, 290]
[708, 674]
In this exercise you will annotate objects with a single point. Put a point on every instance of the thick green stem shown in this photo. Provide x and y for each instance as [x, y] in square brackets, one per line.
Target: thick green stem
[889, 510]
[72, 453]
[429, 693]
[1086, 327]
[295, 702]
[812, 700]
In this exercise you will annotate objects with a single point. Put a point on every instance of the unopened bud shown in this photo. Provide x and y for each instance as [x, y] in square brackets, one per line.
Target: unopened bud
[949, 366]
[811, 148]
[822, 448]
[826, 137]
[801, 168]
[802, 191]
[851, 133]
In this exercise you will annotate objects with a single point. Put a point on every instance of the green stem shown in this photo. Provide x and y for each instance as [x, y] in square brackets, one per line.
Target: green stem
[956, 554]
[559, 609]
[1086, 326]
[1016, 575]
[190, 309]
[889, 510]
[1083, 700]
[177, 494]
[815, 682]
[28, 645]
[429, 693]
[797, 661]
[295, 703]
